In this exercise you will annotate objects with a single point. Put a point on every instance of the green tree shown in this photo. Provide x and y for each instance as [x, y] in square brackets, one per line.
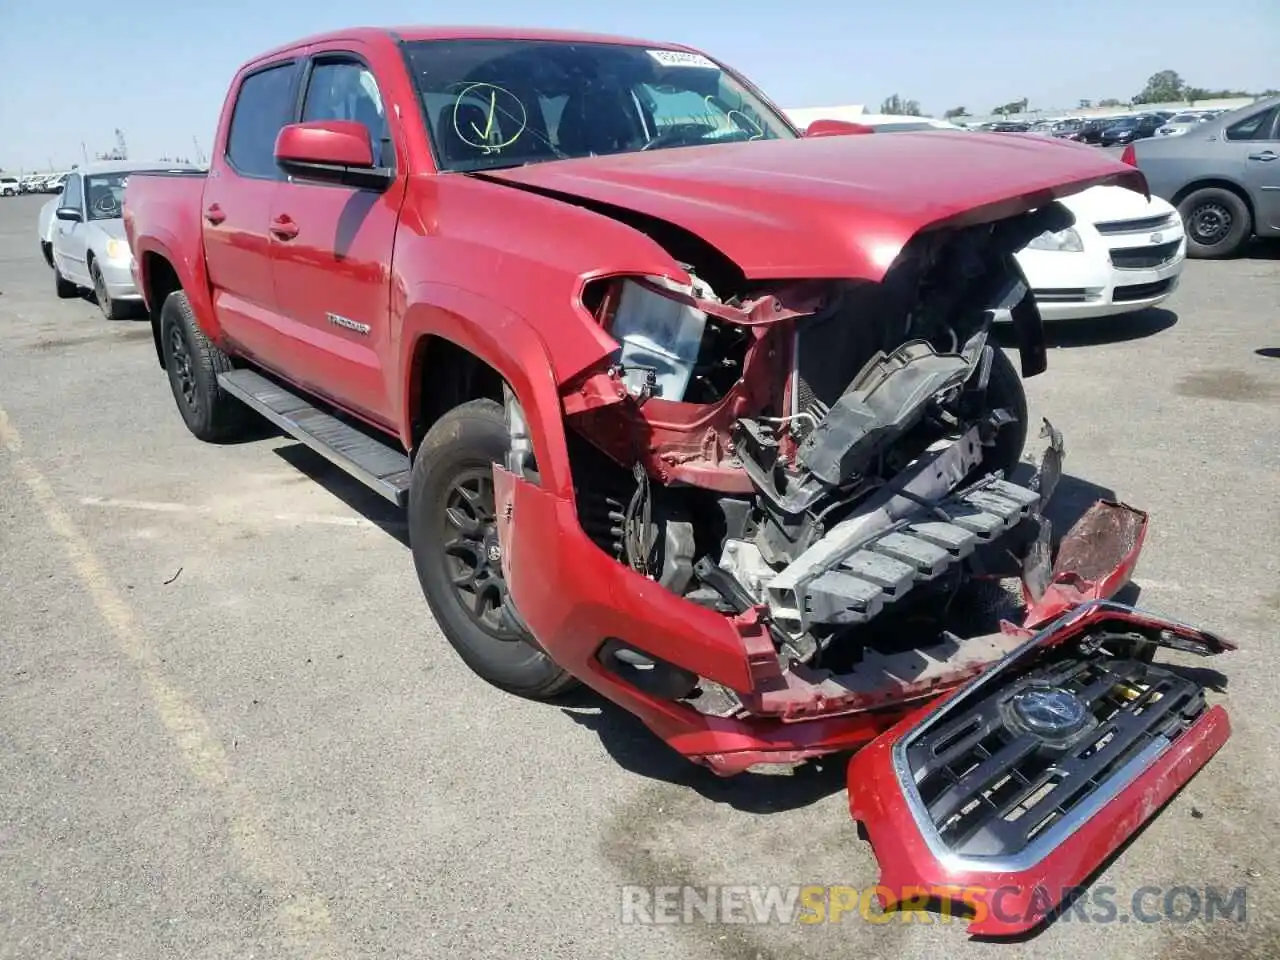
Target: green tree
[955, 113]
[1163, 87]
[897, 105]
[1013, 106]
[1111, 102]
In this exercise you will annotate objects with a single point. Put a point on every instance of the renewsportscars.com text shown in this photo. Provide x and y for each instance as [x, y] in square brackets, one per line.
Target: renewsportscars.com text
[816, 904]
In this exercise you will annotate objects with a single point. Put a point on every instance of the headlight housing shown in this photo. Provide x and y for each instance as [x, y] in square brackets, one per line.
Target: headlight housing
[118, 249]
[1066, 241]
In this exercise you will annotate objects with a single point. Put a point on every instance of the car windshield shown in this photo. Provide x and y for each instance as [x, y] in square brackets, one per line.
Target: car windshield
[502, 103]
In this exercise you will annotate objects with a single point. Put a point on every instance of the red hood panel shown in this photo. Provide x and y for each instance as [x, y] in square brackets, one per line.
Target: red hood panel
[831, 206]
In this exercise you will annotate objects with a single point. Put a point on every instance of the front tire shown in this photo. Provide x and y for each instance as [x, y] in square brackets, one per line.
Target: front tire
[1217, 223]
[193, 363]
[453, 534]
[1005, 390]
[111, 309]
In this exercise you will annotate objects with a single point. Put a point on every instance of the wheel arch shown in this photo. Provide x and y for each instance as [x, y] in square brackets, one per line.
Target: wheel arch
[448, 327]
[1220, 183]
[159, 280]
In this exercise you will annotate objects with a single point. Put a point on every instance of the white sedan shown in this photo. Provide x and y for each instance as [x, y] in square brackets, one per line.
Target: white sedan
[1124, 253]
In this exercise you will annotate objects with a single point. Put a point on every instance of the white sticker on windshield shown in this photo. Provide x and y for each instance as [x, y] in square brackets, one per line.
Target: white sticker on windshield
[680, 58]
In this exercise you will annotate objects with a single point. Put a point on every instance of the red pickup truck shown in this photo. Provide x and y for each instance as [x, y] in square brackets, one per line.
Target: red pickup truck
[697, 409]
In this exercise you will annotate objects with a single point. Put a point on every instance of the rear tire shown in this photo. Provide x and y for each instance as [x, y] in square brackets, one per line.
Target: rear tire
[453, 532]
[63, 287]
[193, 363]
[1217, 223]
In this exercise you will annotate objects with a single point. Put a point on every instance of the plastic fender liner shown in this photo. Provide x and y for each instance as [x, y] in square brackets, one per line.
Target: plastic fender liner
[1007, 890]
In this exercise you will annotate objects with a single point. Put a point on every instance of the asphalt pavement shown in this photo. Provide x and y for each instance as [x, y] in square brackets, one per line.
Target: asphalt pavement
[230, 728]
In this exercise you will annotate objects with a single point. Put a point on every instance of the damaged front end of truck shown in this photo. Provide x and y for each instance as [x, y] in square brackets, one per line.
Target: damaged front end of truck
[777, 481]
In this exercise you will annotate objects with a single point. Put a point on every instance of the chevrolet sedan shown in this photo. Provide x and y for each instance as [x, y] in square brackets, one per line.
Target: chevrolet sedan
[87, 245]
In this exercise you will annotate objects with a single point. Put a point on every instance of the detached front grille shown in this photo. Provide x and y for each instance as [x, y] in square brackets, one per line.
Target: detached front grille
[1140, 225]
[991, 783]
[1140, 291]
[1136, 258]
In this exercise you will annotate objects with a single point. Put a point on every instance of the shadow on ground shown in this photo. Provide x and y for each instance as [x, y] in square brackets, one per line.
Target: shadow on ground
[1096, 331]
[379, 511]
[1262, 249]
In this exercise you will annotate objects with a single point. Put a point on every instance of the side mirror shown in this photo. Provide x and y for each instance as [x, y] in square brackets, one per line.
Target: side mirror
[68, 213]
[836, 128]
[336, 151]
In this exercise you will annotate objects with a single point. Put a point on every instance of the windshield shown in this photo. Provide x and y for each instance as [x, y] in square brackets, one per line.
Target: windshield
[501, 103]
[104, 195]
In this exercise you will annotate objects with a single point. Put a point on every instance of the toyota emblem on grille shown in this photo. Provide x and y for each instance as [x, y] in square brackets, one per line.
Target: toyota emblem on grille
[1050, 711]
[1157, 237]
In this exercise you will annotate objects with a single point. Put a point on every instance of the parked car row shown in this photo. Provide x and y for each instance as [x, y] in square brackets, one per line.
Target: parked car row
[32, 183]
[1108, 131]
[82, 237]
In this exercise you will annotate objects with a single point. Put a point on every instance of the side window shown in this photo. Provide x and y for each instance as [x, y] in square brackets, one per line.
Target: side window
[1255, 127]
[264, 105]
[72, 195]
[346, 90]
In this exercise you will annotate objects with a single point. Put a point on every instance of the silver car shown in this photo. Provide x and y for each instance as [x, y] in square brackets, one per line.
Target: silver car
[1223, 175]
[87, 244]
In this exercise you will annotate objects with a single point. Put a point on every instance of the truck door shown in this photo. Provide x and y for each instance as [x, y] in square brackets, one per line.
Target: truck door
[236, 208]
[332, 247]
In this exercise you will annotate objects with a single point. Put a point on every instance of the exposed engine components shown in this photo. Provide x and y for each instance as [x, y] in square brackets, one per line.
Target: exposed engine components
[808, 453]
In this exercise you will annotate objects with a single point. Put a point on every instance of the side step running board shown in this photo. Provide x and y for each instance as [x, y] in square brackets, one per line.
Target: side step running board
[379, 466]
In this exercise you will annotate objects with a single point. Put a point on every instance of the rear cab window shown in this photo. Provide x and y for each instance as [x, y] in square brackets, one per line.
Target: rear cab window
[264, 104]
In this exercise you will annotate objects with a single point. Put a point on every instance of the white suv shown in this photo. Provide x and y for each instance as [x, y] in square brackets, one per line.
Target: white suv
[8, 186]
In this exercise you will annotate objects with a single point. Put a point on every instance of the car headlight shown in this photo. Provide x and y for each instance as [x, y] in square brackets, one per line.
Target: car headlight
[1067, 241]
[118, 249]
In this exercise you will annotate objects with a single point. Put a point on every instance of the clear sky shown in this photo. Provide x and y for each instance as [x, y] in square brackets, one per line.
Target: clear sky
[72, 71]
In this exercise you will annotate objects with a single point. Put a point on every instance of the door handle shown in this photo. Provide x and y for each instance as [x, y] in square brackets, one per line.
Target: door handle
[1265, 155]
[283, 227]
[214, 214]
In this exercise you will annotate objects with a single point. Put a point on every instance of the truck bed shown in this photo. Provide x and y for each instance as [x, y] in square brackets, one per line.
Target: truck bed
[165, 207]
